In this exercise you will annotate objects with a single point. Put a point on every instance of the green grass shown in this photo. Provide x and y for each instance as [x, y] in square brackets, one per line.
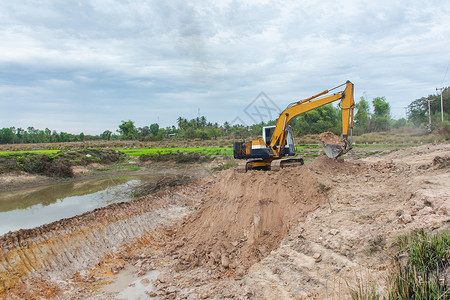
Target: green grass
[40, 152]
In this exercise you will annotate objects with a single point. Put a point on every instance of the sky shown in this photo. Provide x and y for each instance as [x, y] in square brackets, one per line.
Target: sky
[86, 66]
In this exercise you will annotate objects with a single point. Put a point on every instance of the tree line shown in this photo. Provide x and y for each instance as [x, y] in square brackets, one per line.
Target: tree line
[370, 116]
[419, 113]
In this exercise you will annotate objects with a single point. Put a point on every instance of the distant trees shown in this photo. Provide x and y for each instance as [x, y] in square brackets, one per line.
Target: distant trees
[380, 120]
[14, 135]
[418, 112]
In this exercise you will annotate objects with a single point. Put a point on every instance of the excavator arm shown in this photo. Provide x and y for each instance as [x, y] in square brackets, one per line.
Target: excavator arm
[347, 105]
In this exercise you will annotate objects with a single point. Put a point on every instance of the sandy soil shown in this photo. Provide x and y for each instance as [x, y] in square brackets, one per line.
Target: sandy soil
[304, 233]
[329, 138]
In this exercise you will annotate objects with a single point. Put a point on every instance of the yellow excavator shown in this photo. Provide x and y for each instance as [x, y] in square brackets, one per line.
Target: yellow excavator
[276, 148]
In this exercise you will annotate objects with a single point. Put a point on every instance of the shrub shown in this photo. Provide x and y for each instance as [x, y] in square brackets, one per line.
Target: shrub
[35, 164]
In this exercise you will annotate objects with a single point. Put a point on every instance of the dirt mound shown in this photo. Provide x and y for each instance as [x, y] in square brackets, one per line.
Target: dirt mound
[329, 138]
[244, 216]
[324, 165]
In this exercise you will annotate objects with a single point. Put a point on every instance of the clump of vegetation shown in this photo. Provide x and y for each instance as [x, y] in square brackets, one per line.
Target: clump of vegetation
[441, 162]
[377, 243]
[444, 130]
[420, 271]
[55, 164]
[423, 273]
[226, 166]
[178, 157]
[160, 184]
[43, 164]
[364, 291]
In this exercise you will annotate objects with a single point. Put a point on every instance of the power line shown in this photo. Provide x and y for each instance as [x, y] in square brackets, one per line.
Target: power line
[443, 80]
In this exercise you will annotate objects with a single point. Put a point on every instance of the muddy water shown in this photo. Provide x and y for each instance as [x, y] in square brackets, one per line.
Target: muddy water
[37, 206]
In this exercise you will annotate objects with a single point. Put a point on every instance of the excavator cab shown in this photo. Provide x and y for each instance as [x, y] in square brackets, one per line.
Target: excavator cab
[261, 148]
[289, 147]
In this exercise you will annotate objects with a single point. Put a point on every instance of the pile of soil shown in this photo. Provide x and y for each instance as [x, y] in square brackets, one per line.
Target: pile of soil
[244, 216]
[329, 138]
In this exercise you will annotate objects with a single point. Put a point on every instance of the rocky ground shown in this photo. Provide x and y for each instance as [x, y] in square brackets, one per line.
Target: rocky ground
[312, 232]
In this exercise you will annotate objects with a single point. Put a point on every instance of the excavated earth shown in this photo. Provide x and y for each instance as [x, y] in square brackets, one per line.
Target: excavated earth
[310, 232]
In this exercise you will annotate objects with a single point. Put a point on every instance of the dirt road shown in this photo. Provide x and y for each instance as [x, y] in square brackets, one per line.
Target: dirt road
[302, 233]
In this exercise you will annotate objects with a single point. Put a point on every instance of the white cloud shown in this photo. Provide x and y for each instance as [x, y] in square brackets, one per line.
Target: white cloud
[177, 56]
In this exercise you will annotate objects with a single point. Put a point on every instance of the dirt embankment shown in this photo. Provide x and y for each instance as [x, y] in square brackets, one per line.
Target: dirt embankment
[46, 260]
[298, 233]
[243, 217]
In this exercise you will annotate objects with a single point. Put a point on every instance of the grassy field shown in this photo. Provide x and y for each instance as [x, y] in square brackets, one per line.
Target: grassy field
[407, 136]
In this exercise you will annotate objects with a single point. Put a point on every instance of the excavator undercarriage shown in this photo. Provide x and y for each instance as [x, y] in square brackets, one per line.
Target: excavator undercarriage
[274, 165]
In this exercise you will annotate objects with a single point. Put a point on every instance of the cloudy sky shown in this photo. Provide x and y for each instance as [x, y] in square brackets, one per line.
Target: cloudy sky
[84, 66]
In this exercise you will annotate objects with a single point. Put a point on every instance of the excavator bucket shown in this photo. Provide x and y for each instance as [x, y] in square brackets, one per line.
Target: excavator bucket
[332, 150]
[332, 144]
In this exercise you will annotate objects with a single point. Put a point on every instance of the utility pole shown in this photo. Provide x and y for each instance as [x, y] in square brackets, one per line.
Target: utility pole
[429, 112]
[406, 113]
[442, 103]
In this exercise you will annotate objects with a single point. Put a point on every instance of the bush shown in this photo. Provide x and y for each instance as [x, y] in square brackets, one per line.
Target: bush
[444, 130]
[178, 157]
[34, 164]
[59, 169]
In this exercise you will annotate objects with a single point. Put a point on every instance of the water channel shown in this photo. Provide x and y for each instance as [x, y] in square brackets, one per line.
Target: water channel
[33, 207]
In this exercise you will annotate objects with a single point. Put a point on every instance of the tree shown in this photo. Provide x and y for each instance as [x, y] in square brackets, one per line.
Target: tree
[7, 135]
[382, 114]
[418, 112]
[154, 128]
[399, 123]
[127, 130]
[362, 115]
[106, 135]
[381, 107]
[182, 123]
[144, 133]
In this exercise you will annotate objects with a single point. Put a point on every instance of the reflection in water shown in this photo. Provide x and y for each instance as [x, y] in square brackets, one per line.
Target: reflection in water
[34, 207]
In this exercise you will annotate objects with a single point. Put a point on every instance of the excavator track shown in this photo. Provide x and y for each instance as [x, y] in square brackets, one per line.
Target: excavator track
[276, 165]
[253, 164]
[242, 167]
[286, 163]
